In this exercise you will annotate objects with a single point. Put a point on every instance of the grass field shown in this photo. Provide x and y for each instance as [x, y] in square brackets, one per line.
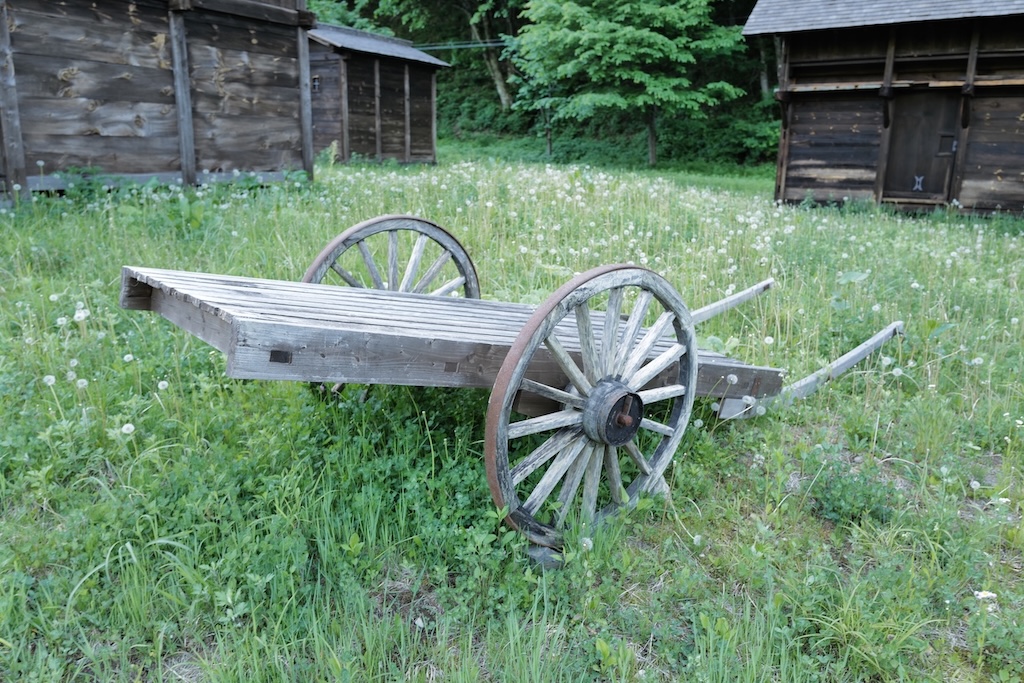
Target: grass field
[163, 522]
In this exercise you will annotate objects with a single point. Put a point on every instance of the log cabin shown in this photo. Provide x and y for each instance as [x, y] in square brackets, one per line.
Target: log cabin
[373, 96]
[916, 104]
[184, 91]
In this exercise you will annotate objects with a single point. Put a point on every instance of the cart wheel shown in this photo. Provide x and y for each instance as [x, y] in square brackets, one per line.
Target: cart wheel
[610, 360]
[389, 254]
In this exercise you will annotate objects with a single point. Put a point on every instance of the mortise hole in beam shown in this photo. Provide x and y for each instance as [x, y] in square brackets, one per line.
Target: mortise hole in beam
[280, 356]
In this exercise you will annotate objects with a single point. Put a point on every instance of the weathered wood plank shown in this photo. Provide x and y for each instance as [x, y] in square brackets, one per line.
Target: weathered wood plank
[83, 117]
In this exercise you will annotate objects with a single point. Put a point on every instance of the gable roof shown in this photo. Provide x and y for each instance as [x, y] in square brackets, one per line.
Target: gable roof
[791, 16]
[370, 43]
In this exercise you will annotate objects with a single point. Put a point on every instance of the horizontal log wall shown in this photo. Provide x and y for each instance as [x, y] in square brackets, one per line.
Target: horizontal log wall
[994, 163]
[833, 144]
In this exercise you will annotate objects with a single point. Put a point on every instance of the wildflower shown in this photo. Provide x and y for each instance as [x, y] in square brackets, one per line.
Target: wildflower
[698, 423]
[71, 375]
[49, 380]
[128, 358]
[62, 321]
[876, 308]
[127, 428]
[73, 363]
[886, 361]
[162, 385]
[731, 379]
[897, 372]
[978, 361]
[760, 410]
[82, 383]
[975, 484]
[54, 297]
[985, 595]
[586, 544]
[81, 314]
[769, 340]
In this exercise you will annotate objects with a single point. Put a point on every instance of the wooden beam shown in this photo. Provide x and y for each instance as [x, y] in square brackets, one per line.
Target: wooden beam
[183, 97]
[305, 102]
[408, 119]
[963, 135]
[376, 110]
[346, 149]
[887, 101]
[782, 163]
[10, 117]
[251, 9]
[433, 116]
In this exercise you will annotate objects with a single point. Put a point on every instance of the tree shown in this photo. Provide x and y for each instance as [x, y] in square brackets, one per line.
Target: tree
[583, 57]
[484, 22]
[340, 14]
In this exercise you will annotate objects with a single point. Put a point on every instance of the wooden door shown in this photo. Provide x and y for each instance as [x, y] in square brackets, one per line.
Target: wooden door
[922, 147]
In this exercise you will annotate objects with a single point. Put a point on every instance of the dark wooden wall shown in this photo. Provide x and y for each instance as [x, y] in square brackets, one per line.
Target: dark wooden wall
[152, 88]
[373, 107]
[916, 115]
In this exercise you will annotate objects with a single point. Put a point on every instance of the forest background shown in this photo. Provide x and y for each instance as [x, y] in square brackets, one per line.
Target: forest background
[626, 83]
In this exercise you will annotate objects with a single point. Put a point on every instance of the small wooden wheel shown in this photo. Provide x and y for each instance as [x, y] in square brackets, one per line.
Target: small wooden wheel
[389, 254]
[607, 370]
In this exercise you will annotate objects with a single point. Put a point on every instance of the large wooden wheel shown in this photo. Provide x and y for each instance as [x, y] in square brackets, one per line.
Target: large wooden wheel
[399, 254]
[613, 356]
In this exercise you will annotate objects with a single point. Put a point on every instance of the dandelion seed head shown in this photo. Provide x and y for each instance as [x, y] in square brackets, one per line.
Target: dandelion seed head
[769, 340]
[127, 428]
[71, 375]
[128, 358]
[731, 379]
[81, 314]
[62, 321]
[49, 380]
[54, 297]
[897, 372]
[82, 383]
[975, 484]
[162, 385]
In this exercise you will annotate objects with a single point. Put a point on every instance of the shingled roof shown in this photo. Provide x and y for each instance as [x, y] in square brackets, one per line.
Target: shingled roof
[370, 43]
[792, 16]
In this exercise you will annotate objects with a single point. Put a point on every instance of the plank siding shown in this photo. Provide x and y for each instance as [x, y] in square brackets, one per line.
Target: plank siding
[392, 109]
[362, 105]
[922, 112]
[421, 114]
[833, 145]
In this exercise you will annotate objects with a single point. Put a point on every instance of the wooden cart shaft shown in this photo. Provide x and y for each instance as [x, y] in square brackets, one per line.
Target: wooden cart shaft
[272, 329]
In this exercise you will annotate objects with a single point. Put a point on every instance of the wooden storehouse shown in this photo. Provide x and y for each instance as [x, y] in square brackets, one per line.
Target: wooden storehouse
[373, 96]
[189, 90]
[916, 103]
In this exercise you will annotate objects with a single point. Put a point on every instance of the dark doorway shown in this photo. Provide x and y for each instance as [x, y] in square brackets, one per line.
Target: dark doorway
[922, 147]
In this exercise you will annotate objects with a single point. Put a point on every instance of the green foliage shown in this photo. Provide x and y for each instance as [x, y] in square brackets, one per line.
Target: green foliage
[842, 494]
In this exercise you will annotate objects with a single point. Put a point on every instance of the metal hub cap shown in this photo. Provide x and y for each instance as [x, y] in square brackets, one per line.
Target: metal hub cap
[613, 413]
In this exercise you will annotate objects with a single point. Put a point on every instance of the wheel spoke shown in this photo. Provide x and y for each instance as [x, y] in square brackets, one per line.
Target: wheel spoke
[572, 483]
[611, 328]
[393, 260]
[587, 349]
[432, 272]
[653, 426]
[564, 397]
[591, 483]
[345, 275]
[449, 287]
[632, 329]
[644, 346]
[568, 365]
[554, 474]
[545, 423]
[542, 454]
[637, 457]
[414, 263]
[371, 265]
[652, 396]
[656, 366]
[611, 465]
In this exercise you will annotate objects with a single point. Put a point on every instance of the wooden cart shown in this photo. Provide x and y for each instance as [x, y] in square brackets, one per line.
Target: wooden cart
[590, 392]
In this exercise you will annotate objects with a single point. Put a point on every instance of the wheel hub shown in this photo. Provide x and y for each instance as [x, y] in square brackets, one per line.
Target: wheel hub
[613, 413]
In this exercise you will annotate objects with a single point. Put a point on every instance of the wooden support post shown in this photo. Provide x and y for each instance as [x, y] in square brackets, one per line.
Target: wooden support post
[433, 116]
[346, 149]
[887, 102]
[305, 102]
[10, 117]
[376, 110]
[963, 134]
[782, 164]
[183, 97]
[408, 119]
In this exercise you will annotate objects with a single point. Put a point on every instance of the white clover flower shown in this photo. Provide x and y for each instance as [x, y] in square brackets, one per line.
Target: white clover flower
[985, 595]
[162, 385]
[82, 383]
[127, 428]
[49, 380]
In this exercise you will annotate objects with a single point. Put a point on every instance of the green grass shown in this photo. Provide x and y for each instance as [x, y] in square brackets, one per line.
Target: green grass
[162, 522]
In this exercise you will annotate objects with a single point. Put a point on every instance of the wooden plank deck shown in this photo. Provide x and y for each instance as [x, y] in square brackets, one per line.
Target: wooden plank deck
[274, 329]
